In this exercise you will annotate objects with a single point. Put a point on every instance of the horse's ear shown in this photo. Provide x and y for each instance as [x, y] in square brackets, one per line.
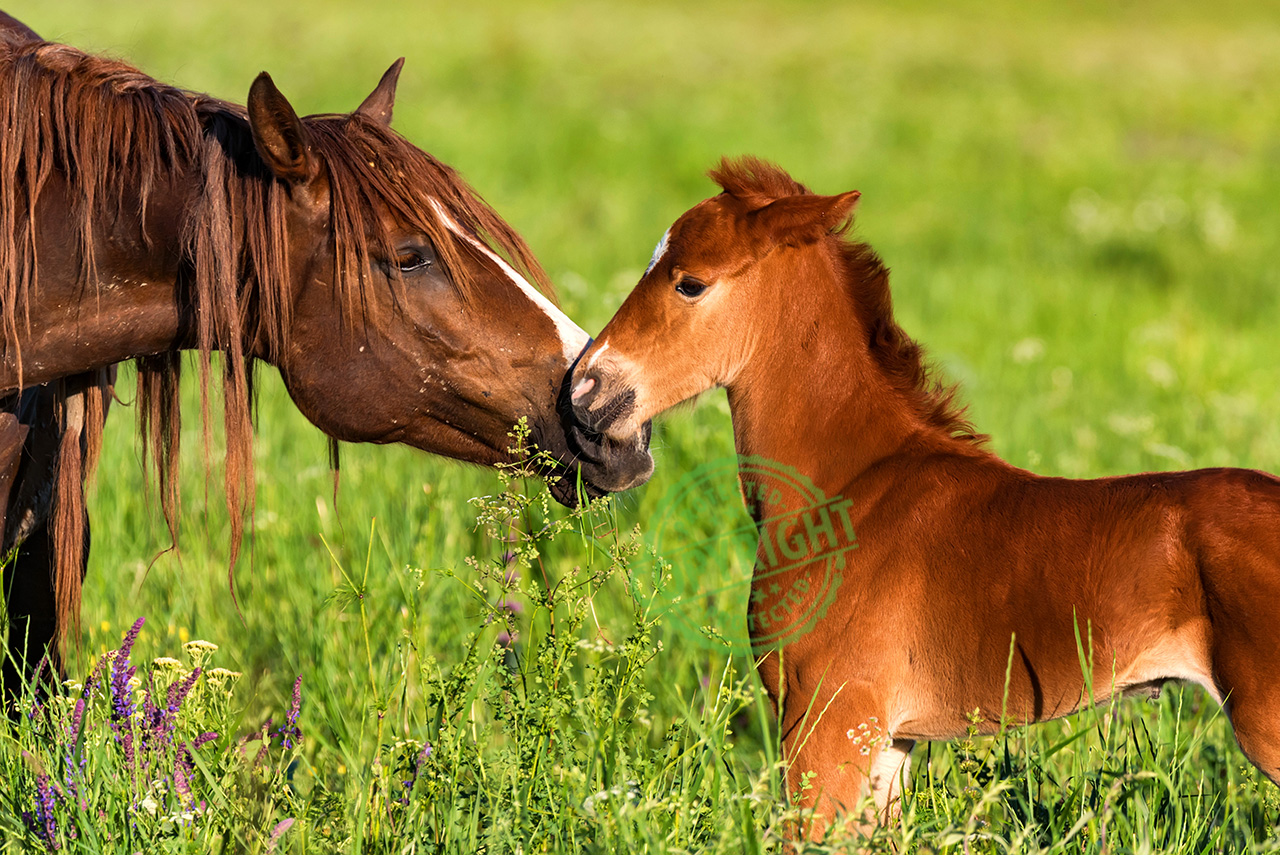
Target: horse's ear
[792, 216]
[278, 134]
[380, 101]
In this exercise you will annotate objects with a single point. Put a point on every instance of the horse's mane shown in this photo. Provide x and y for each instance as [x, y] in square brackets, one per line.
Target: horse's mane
[901, 360]
[116, 135]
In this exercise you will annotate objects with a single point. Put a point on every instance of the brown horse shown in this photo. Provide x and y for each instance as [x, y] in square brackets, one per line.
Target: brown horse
[138, 220]
[966, 568]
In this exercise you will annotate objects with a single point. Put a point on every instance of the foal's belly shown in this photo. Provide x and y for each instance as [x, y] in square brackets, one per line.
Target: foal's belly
[929, 709]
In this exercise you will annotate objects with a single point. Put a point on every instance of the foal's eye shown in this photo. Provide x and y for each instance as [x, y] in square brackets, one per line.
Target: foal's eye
[689, 287]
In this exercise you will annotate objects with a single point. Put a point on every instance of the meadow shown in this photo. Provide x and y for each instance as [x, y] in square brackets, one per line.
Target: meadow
[1078, 206]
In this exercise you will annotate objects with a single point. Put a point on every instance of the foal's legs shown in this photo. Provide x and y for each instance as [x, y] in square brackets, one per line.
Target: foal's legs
[1237, 537]
[1246, 658]
[843, 753]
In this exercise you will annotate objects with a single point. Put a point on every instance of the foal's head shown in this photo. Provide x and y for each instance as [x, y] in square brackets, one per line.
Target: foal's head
[721, 283]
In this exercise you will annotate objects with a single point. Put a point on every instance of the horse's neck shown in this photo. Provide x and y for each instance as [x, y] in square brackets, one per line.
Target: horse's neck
[811, 399]
[128, 308]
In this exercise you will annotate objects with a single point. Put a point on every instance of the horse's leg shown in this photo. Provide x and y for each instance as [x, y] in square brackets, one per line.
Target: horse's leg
[1236, 533]
[31, 602]
[32, 609]
[1246, 658]
[890, 775]
[12, 437]
[840, 755]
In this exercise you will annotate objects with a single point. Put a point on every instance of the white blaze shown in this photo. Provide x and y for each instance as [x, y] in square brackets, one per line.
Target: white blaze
[573, 337]
[658, 251]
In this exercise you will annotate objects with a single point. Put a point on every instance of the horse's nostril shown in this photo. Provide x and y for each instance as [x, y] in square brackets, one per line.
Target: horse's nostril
[583, 388]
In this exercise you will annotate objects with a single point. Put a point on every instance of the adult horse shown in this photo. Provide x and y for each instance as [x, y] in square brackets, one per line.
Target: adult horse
[138, 220]
[973, 581]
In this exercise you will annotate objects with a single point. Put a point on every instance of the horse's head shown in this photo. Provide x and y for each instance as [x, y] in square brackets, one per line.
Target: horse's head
[402, 323]
[721, 281]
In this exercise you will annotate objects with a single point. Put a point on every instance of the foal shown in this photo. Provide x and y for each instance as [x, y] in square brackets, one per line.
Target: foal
[967, 569]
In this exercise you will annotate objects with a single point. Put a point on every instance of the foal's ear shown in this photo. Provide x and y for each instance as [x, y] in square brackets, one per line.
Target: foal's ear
[278, 134]
[805, 216]
[380, 101]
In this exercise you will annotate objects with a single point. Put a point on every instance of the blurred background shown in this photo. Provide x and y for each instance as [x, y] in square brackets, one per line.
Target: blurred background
[1078, 203]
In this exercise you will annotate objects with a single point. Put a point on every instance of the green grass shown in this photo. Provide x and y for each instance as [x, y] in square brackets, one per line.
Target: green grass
[1079, 210]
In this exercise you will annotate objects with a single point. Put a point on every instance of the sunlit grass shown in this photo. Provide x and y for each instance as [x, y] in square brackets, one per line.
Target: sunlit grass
[1078, 205]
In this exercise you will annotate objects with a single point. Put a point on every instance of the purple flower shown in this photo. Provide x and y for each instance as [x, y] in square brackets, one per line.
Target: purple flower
[207, 736]
[289, 732]
[73, 736]
[178, 692]
[46, 824]
[504, 639]
[122, 672]
[183, 766]
[276, 833]
[513, 606]
[77, 719]
[509, 557]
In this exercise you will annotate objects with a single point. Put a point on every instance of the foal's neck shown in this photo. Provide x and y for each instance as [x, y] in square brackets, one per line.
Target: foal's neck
[812, 397]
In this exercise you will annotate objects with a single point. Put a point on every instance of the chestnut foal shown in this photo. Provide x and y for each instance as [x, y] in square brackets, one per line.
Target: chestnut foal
[967, 569]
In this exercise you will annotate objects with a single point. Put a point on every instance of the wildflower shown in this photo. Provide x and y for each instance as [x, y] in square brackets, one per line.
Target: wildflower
[289, 731]
[178, 692]
[77, 719]
[504, 639]
[182, 776]
[165, 663]
[122, 676]
[276, 833]
[198, 651]
[46, 825]
[513, 606]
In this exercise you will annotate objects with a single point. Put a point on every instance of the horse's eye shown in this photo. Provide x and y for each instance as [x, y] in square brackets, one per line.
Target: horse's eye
[688, 287]
[410, 259]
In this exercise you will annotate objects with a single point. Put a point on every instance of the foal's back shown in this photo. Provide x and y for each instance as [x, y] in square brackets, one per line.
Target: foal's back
[974, 569]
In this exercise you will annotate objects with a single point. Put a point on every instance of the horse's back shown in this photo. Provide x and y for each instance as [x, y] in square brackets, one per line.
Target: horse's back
[14, 33]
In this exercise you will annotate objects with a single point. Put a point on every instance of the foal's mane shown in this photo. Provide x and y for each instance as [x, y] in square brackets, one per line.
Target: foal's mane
[756, 183]
[117, 136]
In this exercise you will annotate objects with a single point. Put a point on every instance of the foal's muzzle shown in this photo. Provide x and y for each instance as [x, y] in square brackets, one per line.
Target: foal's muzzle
[609, 463]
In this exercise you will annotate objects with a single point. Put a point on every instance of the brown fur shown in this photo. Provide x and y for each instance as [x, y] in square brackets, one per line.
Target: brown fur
[758, 184]
[175, 184]
[966, 568]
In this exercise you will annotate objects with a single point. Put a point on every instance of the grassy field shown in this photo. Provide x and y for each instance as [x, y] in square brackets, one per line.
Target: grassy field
[1079, 211]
